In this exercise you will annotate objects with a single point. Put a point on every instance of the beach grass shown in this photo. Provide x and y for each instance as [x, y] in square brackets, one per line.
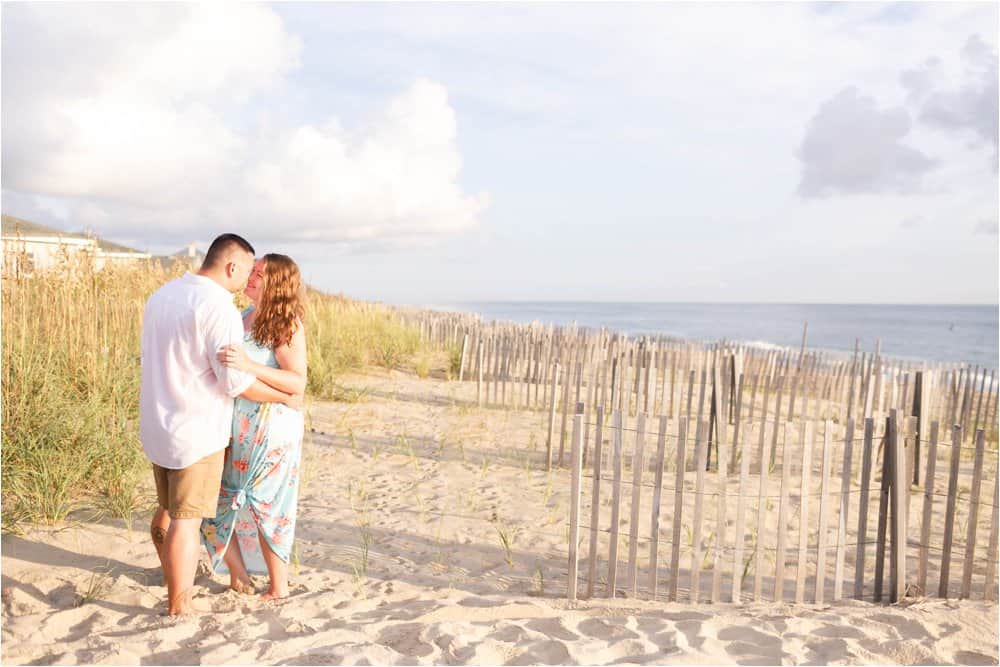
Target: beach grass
[71, 374]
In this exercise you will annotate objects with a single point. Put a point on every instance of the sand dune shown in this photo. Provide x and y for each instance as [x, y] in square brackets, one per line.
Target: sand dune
[400, 561]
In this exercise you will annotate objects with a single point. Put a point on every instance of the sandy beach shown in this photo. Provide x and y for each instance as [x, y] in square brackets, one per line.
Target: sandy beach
[430, 533]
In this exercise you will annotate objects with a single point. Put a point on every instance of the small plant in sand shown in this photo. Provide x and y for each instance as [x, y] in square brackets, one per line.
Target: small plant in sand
[508, 535]
[547, 491]
[454, 360]
[748, 564]
[485, 468]
[295, 558]
[539, 581]
[421, 505]
[366, 542]
[97, 586]
[422, 366]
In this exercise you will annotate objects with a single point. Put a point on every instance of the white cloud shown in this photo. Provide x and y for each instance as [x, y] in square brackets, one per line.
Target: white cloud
[133, 117]
[396, 177]
[969, 107]
[852, 147]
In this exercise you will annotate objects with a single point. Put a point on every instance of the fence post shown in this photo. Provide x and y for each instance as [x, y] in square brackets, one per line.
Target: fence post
[461, 361]
[574, 500]
[899, 493]
[479, 373]
[949, 513]
[552, 416]
[970, 539]
[595, 503]
[616, 501]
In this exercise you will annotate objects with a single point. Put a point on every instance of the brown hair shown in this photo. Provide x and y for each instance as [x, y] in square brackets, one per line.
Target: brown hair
[280, 304]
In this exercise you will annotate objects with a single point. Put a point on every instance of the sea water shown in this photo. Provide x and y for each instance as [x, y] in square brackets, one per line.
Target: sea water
[966, 334]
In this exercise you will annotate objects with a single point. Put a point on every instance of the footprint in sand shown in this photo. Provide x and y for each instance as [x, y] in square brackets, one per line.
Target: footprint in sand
[405, 640]
[751, 646]
[549, 652]
[907, 628]
[551, 627]
[606, 630]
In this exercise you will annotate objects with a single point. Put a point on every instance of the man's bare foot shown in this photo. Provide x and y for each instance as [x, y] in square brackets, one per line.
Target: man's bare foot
[273, 595]
[190, 608]
[242, 586]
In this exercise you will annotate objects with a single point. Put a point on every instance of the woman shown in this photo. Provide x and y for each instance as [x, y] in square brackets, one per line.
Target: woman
[260, 480]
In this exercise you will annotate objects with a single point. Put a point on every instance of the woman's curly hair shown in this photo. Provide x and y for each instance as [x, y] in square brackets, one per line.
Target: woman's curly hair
[280, 306]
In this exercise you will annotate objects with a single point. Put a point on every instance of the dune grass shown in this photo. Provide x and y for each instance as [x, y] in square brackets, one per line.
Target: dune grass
[71, 374]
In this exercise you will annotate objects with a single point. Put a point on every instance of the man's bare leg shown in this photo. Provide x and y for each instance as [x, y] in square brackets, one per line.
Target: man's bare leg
[239, 579]
[181, 563]
[158, 532]
[277, 572]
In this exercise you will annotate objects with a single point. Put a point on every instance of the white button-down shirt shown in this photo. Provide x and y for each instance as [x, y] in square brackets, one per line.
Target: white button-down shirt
[186, 397]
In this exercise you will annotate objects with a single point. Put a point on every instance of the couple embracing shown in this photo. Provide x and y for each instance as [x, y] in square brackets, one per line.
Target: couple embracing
[220, 418]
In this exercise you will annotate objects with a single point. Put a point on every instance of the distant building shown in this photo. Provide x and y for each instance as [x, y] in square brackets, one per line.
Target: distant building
[29, 248]
[190, 257]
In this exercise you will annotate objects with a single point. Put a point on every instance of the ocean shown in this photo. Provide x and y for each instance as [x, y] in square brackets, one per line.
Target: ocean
[967, 334]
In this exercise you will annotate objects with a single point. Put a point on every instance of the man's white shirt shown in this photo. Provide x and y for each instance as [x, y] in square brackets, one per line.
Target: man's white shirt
[186, 396]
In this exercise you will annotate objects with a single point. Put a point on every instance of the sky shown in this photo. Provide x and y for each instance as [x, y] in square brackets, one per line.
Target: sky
[431, 154]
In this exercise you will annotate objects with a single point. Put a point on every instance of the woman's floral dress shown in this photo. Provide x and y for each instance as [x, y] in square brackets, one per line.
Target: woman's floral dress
[260, 480]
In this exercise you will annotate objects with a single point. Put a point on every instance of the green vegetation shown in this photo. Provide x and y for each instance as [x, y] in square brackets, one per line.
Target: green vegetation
[71, 374]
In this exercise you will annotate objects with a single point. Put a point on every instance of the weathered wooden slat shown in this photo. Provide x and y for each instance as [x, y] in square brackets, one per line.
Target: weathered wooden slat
[701, 455]
[759, 541]
[552, 416]
[675, 542]
[721, 475]
[899, 494]
[970, 539]
[576, 463]
[567, 380]
[882, 535]
[616, 501]
[989, 585]
[595, 507]
[949, 512]
[845, 504]
[783, 509]
[804, 502]
[928, 509]
[741, 510]
[654, 529]
[824, 511]
[866, 476]
[638, 463]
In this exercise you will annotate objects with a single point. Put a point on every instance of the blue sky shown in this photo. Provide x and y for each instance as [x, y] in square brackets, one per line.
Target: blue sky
[808, 152]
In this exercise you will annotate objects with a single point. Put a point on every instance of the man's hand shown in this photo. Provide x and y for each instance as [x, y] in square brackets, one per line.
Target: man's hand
[234, 356]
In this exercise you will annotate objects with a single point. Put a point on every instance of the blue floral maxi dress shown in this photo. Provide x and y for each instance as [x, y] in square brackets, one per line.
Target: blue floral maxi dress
[260, 480]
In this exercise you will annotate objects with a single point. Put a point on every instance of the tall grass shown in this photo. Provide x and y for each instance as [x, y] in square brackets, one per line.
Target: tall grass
[71, 374]
[344, 335]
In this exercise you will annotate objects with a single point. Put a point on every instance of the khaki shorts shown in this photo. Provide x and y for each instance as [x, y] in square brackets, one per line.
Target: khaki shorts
[192, 492]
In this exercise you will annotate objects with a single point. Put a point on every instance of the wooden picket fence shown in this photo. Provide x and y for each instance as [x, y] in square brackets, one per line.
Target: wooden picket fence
[753, 448]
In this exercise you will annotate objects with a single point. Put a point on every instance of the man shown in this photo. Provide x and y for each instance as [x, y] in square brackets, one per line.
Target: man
[186, 404]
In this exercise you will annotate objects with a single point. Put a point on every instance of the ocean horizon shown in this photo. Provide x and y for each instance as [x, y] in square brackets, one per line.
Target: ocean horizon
[966, 333]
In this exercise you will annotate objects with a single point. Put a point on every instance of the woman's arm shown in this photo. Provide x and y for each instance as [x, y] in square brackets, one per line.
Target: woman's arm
[289, 378]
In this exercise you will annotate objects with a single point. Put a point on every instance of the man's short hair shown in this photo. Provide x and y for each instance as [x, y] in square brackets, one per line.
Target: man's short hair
[223, 245]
